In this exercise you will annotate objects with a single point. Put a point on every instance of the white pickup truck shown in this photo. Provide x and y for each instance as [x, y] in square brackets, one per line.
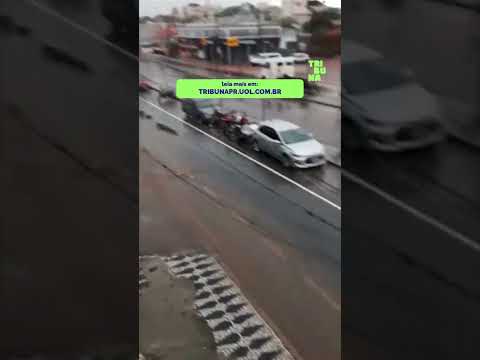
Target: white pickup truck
[282, 68]
[274, 65]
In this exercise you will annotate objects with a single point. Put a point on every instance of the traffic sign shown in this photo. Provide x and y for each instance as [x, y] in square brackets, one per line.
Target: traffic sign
[232, 42]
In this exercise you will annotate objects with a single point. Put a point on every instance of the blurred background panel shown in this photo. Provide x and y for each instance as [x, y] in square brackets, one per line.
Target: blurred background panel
[69, 223]
[411, 169]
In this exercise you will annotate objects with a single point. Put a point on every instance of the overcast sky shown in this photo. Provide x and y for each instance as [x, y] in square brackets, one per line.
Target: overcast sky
[155, 7]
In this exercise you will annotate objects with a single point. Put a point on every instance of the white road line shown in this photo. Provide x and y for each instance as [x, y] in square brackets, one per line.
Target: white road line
[286, 178]
[324, 294]
[416, 213]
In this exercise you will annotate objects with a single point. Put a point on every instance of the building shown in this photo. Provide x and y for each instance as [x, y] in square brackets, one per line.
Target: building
[157, 32]
[263, 5]
[289, 38]
[208, 41]
[245, 23]
[270, 12]
[147, 32]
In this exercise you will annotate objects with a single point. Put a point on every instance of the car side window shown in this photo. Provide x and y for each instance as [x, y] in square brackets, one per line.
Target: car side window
[274, 135]
[264, 130]
[269, 132]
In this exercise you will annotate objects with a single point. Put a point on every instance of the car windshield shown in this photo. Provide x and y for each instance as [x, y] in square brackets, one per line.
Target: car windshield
[294, 136]
[369, 76]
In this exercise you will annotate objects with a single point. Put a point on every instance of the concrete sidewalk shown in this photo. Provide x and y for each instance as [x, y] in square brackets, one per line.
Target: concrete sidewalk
[168, 325]
[295, 293]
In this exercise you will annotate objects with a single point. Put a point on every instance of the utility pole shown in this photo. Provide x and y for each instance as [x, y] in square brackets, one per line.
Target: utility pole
[229, 55]
[259, 30]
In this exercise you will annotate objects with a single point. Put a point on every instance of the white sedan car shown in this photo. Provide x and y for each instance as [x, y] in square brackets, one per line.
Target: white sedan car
[264, 59]
[300, 57]
[383, 106]
[290, 144]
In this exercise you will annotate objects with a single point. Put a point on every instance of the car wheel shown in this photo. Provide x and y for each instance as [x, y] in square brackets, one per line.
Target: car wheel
[255, 146]
[229, 132]
[286, 161]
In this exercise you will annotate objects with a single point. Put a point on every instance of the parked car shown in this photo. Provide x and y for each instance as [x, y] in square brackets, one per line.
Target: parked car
[144, 86]
[290, 144]
[300, 57]
[383, 105]
[202, 110]
[263, 59]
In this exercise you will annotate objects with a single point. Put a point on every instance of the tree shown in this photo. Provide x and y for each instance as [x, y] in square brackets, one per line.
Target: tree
[190, 19]
[319, 22]
[325, 34]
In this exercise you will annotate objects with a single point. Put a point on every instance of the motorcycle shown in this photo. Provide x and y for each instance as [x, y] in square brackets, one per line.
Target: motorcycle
[235, 126]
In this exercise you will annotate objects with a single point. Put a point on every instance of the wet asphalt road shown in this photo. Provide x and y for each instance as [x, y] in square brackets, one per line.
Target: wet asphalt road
[422, 276]
[264, 197]
[435, 181]
[426, 244]
[196, 194]
[325, 180]
[323, 121]
[293, 221]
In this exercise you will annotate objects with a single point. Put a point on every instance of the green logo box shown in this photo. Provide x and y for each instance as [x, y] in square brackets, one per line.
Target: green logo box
[239, 88]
